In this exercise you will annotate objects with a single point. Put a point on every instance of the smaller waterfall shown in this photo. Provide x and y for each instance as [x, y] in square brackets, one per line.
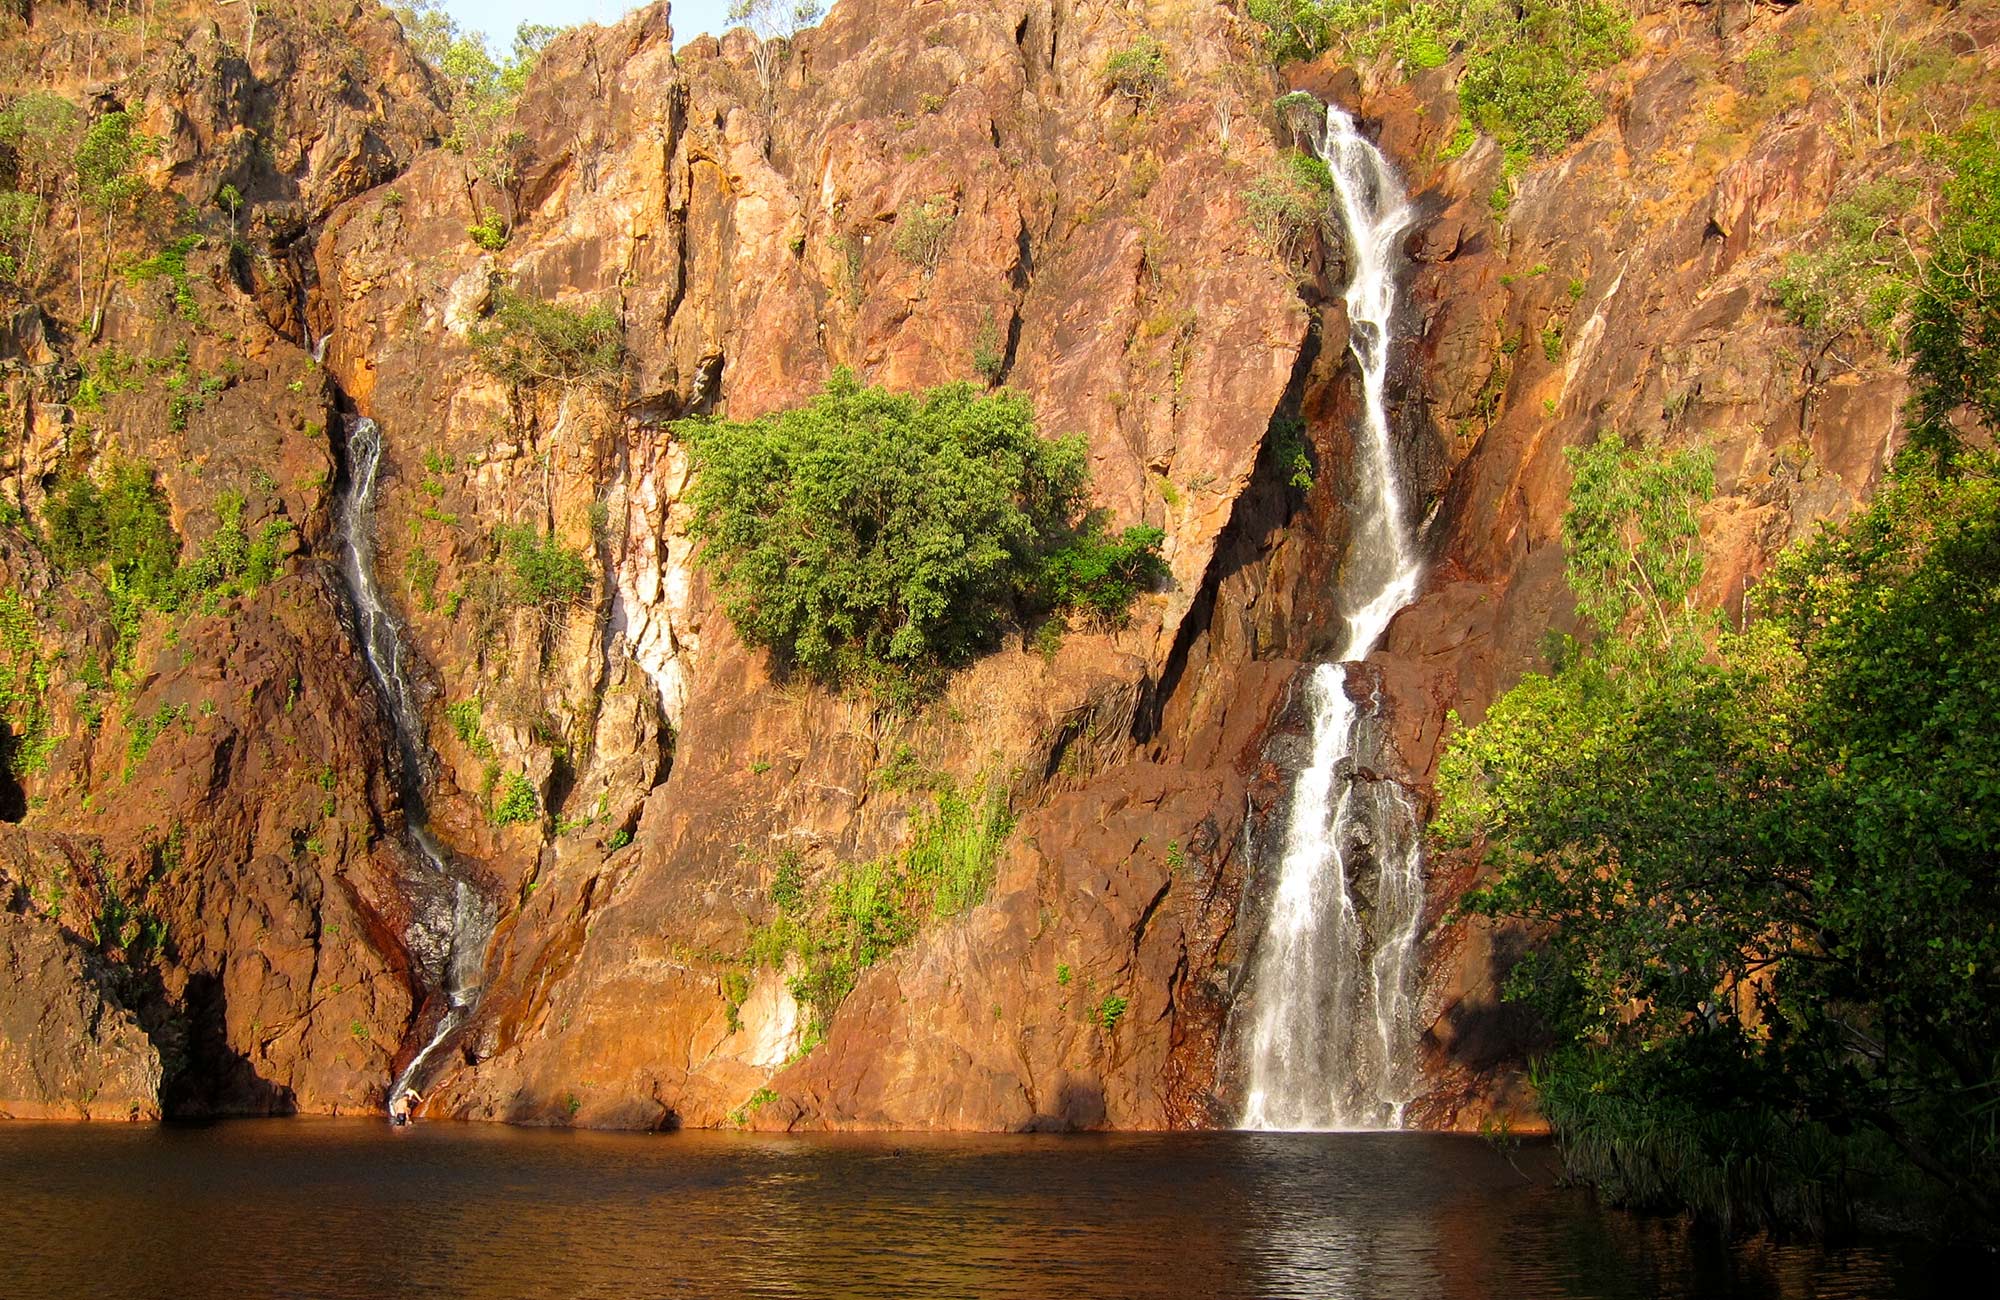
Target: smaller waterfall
[1333, 985]
[453, 920]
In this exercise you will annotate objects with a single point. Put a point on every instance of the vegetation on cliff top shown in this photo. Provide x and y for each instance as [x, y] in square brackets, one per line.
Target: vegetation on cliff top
[1526, 65]
[880, 538]
[1760, 863]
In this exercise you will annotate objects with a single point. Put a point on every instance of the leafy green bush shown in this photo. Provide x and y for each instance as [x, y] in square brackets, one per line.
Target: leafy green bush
[517, 804]
[463, 715]
[1954, 337]
[489, 232]
[878, 537]
[527, 340]
[989, 356]
[953, 851]
[1287, 447]
[25, 740]
[1858, 276]
[171, 263]
[1139, 71]
[230, 563]
[545, 572]
[123, 526]
[1418, 33]
[1525, 65]
[1102, 574]
[1530, 87]
[921, 233]
[1292, 208]
[1298, 29]
[1759, 864]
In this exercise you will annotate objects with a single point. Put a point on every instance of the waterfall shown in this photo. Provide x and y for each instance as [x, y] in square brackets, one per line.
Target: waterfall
[1332, 1014]
[453, 920]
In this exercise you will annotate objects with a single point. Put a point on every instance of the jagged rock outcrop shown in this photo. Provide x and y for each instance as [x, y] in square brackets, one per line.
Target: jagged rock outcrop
[68, 1050]
[210, 820]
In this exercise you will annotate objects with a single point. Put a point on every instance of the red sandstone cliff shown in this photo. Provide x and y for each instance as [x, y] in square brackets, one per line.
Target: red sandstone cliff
[747, 238]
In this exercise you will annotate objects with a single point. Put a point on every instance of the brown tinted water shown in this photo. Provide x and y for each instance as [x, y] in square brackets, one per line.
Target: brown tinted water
[349, 1209]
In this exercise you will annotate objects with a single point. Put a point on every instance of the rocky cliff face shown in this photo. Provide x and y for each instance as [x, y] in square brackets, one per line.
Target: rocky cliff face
[211, 850]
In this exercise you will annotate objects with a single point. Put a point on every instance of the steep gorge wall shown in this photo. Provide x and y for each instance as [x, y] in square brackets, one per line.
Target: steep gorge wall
[747, 237]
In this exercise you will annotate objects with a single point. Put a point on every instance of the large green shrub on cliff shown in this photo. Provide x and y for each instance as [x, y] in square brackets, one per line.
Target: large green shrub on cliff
[882, 537]
[1761, 865]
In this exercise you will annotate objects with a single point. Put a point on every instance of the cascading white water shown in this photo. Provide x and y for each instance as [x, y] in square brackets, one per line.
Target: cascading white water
[1332, 1027]
[454, 935]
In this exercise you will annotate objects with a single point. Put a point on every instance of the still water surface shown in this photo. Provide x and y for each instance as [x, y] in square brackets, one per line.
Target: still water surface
[353, 1210]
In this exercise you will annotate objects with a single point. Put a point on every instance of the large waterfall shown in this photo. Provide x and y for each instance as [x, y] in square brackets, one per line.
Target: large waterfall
[1332, 1023]
[453, 920]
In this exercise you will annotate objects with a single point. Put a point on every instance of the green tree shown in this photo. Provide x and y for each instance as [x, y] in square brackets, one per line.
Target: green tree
[106, 165]
[1856, 277]
[40, 132]
[482, 88]
[1955, 321]
[1760, 866]
[1528, 86]
[545, 573]
[775, 23]
[1526, 65]
[877, 536]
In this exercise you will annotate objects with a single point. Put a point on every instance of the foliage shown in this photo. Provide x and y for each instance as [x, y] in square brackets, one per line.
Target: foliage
[122, 526]
[1760, 868]
[1526, 65]
[38, 135]
[489, 232]
[482, 89]
[528, 341]
[922, 232]
[1101, 574]
[873, 536]
[107, 160]
[545, 573]
[1632, 537]
[1528, 86]
[25, 739]
[1292, 208]
[463, 715]
[517, 804]
[776, 23]
[171, 262]
[1954, 337]
[953, 849]
[1110, 1011]
[1138, 71]
[1289, 452]
[754, 1103]
[231, 562]
[828, 930]
[1857, 278]
[989, 356]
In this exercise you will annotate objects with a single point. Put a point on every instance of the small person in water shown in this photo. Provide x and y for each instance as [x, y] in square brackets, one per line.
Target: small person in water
[400, 1104]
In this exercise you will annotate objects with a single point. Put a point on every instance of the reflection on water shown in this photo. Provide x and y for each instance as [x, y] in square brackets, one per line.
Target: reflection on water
[353, 1209]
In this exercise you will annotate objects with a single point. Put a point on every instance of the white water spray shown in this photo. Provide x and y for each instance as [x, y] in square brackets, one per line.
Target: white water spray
[1332, 1028]
[454, 934]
